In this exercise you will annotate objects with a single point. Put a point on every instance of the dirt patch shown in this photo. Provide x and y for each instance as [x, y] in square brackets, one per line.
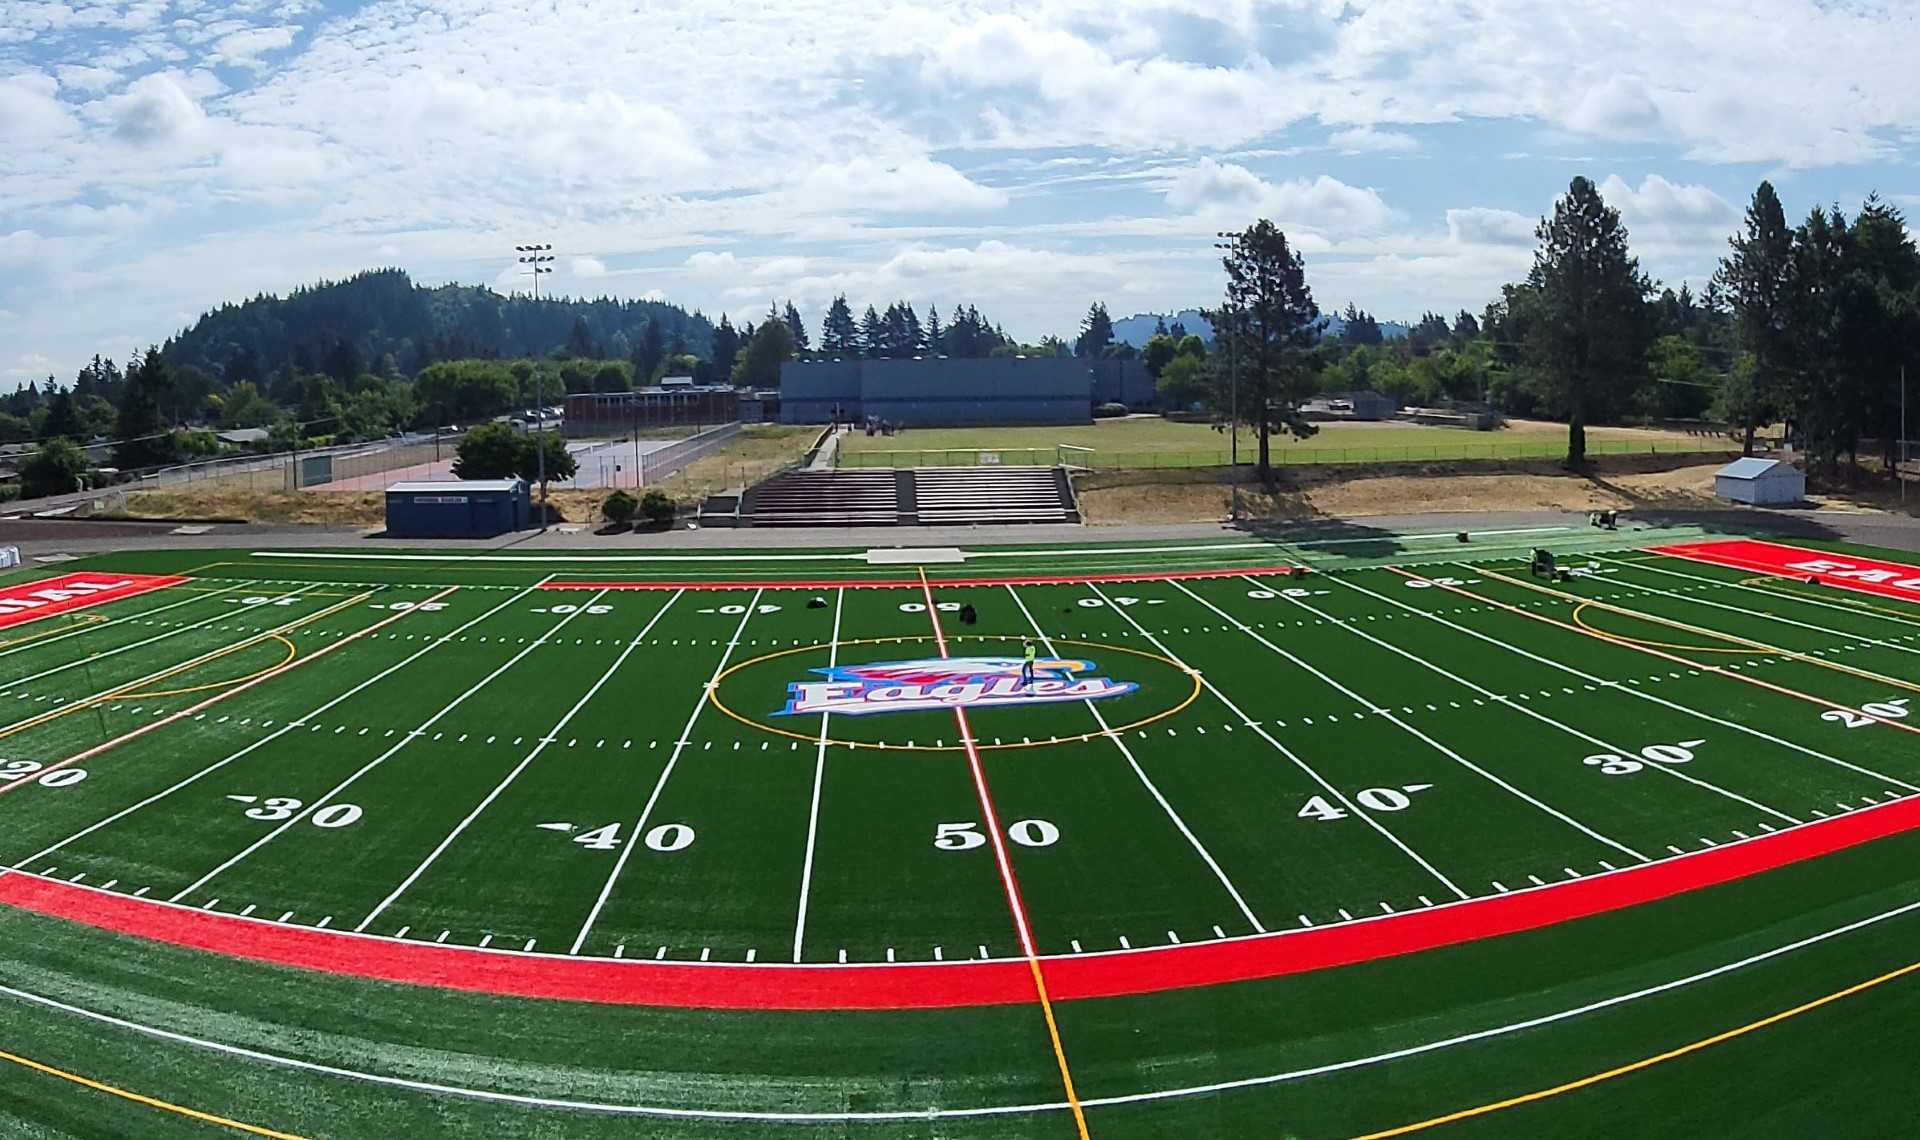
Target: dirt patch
[1617, 482]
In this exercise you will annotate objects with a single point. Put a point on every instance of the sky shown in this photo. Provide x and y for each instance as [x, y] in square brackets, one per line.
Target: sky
[158, 158]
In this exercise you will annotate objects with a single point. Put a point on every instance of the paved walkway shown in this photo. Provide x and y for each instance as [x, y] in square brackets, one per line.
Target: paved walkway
[49, 536]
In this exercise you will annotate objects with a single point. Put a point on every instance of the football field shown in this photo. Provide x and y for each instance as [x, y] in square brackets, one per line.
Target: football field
[1269, 841]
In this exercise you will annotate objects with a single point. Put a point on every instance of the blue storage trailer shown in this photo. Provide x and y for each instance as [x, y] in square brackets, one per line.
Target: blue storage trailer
[458, 508]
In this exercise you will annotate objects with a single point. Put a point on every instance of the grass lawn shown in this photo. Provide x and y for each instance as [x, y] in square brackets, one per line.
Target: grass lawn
[1150, 441]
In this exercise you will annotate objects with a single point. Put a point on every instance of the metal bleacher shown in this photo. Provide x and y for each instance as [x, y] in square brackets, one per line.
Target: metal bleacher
[927, 495]
[949, 495]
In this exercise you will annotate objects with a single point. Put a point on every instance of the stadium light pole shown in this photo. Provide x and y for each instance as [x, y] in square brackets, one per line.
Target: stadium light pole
[535, 258]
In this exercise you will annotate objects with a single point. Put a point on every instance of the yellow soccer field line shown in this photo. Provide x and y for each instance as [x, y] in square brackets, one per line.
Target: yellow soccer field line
[1735, 639]
[713, 698]
[147, 1101]
[1584, 624]
[1645, 1062]
[53, 630]
[1777, 585]
[292, 652]
[209, 658]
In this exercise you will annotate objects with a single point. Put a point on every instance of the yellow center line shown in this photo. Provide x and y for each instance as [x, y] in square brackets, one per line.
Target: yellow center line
[1645, 1062]
[150, 1102]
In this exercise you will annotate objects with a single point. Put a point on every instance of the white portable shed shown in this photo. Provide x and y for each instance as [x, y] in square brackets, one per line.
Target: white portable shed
[1761, 482]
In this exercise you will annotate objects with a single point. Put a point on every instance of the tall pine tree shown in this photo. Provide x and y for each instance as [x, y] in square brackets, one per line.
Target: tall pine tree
[1590, 345]
[1757, 280]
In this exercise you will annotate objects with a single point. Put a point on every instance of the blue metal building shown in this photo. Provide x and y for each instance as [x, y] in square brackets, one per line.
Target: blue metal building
[461, 508]
[934, 391]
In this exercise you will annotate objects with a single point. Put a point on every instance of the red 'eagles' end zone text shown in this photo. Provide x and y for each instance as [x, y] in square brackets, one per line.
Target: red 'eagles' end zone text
[1850, 572]
[29, 601]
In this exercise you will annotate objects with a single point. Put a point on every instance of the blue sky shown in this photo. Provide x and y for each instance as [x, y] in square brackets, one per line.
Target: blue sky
[160, 157]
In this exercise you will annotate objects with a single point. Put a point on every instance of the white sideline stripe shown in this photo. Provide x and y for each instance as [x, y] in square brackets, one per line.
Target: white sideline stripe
[301, 815]
[296, 723]
[660, 785]
[1389, 716]
[1760, 613]
[547, 738]
[1127, 752]
[1336, 793]
[90, 659]
[661, 1111]
[1523, 707]
[1640, 693]
[819, 778]
[100, 625]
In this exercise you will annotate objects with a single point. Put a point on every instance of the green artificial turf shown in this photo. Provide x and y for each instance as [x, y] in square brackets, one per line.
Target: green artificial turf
[542, 770]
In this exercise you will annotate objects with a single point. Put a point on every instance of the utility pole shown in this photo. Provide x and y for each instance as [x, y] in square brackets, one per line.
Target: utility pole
[1900, 469]
[1233, 360]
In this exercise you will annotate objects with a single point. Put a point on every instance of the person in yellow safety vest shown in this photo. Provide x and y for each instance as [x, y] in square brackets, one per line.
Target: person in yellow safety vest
[1026, 667]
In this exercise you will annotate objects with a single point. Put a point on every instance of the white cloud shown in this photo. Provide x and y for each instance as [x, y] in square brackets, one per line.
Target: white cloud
[29, 110]
[243, 49]
[18, 247]
[156, 109]
[588, 267]
[1368, 140]
[77, 77]
[1235, 194]
[1619, 106]
[918, 184]
[1477, 225]
[708, 261]
[1668, 213]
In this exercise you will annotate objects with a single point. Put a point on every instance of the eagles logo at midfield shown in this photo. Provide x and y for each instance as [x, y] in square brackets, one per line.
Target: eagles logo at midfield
[946, 682]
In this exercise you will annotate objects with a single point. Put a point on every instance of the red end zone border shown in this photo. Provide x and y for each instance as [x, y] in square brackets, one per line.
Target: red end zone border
[914, 583]
[1849, 572]
[776, 986]
[31, 601]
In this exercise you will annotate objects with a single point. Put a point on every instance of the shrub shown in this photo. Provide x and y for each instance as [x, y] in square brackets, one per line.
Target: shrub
[657, 508]
[620, 507]
[1109, 410]
[9, 492]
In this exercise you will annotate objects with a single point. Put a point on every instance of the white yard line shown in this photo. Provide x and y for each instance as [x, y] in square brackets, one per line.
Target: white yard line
[546, 738]
[1521, 707]
[1259, 730]
[1875, 614]
[1518, 706]
[1766, 614]
[1152, 790]
[1388, 715]
[302, 815]
[660, 785]
[1633, 691]
[111, 622]
[296, 723]
[819, 778]
[493, 1096]
[224, 615]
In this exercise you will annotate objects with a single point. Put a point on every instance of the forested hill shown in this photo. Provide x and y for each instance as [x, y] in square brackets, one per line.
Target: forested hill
[345, 327]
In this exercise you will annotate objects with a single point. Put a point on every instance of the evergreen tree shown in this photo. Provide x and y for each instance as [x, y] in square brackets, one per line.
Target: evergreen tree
[1757, 280]
[1178, 331]
[1590, 345]
[342, 361]
[1159, 325]
[62, 420]
[648, 354]
[1096, 332]
[142, 435]
[796, 328]
[1273, 325]
[935, 333]
[726, 346]
[1465, 328]
[839, 336]
[580, 344]
[873, 333]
